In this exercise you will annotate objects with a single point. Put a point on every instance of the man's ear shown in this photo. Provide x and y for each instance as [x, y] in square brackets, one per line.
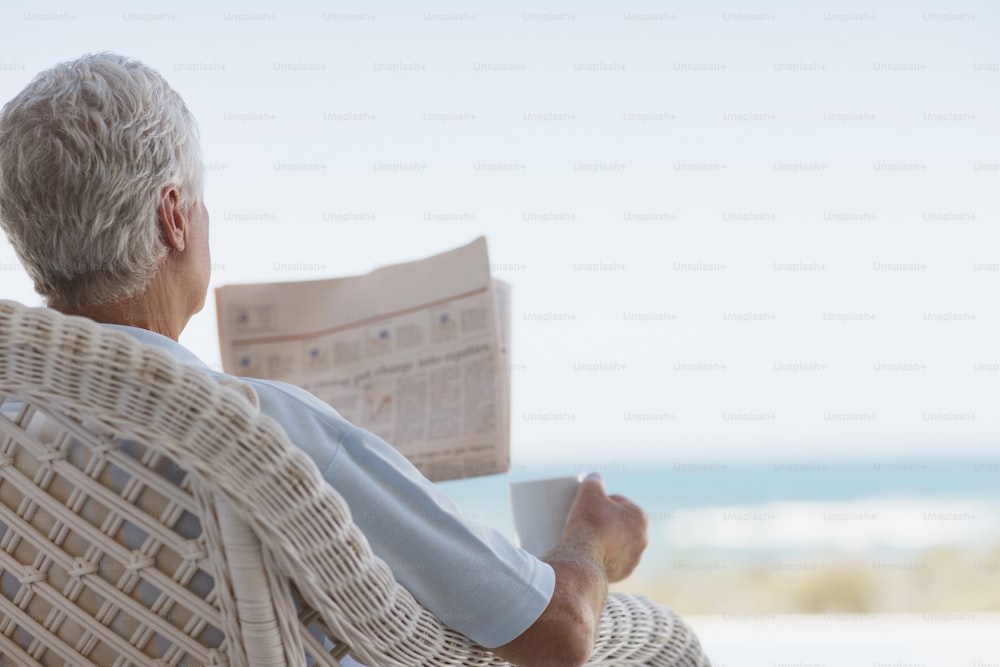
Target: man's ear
[172, 221]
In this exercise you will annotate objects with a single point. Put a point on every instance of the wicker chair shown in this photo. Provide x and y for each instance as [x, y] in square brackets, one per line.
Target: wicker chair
[238, 554]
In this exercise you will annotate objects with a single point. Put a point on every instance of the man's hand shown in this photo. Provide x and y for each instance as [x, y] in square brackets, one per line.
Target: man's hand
[614, 525]
[602, 541]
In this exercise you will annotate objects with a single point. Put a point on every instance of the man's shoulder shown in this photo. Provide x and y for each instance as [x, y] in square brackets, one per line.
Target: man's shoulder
[270, 392]
[286, 393]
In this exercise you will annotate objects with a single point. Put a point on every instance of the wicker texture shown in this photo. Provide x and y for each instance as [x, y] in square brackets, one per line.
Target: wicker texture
[274, 537]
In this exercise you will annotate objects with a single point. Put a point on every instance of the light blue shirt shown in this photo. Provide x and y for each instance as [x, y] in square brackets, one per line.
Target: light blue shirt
[467, 574]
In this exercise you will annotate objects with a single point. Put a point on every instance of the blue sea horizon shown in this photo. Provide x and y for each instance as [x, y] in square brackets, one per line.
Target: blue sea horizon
[854, 505]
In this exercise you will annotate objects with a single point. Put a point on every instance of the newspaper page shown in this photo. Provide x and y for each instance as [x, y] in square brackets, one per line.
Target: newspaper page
[417, 353]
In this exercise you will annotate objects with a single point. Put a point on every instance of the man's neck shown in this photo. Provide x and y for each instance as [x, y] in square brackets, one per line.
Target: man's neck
[149, 310]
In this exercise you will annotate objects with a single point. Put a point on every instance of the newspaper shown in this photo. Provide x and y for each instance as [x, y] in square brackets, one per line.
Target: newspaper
[417, 353]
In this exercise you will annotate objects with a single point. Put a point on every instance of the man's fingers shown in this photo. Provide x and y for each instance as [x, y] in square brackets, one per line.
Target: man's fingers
[594, 484]
[631, 509]
[622, 500]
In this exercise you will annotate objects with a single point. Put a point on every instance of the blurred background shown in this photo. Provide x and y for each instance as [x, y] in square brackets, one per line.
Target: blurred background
[753, 250]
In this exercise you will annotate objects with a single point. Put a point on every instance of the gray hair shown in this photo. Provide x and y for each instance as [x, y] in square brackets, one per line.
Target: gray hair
[85, 151]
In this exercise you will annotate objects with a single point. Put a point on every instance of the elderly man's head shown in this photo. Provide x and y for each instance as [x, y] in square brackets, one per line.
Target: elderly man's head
[87, 150]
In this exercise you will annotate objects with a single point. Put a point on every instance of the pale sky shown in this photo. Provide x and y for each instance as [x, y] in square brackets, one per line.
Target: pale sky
[728, 233]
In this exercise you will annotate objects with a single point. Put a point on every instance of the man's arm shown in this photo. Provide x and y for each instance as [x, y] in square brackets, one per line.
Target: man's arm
[602, 542]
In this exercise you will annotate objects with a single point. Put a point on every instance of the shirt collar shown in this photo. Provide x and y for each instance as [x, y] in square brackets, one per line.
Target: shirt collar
[169, 345]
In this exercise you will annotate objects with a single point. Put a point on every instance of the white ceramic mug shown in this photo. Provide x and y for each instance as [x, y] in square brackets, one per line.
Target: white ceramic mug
[540, 508]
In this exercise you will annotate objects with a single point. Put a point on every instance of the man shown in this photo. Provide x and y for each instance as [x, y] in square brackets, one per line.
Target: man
[101, 196]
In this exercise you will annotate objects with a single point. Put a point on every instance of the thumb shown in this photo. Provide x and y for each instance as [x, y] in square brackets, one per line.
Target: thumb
[595, 479]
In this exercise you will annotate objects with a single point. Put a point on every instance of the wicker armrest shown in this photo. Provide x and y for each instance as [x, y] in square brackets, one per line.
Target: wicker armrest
[637, 631]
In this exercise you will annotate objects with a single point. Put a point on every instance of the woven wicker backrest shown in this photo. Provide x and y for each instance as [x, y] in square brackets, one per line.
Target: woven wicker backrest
[110, 553]
[102, 565]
